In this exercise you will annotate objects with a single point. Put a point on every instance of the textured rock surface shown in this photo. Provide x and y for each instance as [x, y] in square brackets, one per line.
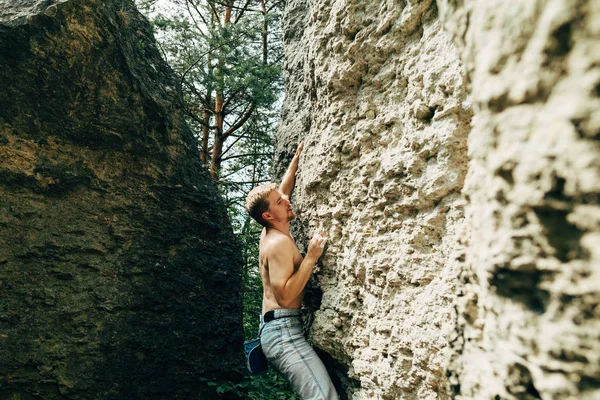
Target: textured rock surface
[114, 244]
[529, 312]
[375, 91]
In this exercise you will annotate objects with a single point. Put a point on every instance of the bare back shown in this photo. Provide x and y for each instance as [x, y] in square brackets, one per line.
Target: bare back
[270, 241]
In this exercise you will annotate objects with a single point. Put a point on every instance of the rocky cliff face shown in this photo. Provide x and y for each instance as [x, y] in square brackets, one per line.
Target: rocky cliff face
[529, 306]
[375, 91]
[119, 273]
[452, 158]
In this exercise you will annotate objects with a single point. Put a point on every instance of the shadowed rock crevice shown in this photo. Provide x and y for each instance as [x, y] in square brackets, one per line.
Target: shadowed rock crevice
[563, 236]
[521, 286]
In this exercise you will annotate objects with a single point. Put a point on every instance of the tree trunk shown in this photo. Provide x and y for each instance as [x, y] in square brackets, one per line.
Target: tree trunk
[228, 9]
[215, 164]
[264, 31]
[205, 135]
[219, 138]
[206, 113]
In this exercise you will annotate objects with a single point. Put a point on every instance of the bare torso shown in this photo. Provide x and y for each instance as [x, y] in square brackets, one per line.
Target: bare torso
[269, 301]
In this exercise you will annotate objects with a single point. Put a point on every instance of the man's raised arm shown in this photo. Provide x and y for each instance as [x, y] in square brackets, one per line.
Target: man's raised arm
[287, 183]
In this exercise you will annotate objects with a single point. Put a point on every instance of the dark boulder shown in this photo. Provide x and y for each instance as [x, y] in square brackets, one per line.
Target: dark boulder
[119, 271]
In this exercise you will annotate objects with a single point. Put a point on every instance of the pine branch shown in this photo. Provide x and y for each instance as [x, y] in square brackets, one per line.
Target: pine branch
[233, 183]
[187, 4]
[240, 122]
[215, 13]
[197, 62]
[233, 144]
[235, 172]
[244, 8]
[275, 5]
[247, 155]
[198, 120]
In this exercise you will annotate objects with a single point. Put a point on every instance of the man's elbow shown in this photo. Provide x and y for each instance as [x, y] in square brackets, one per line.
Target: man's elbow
[283, 301]
[285, 304]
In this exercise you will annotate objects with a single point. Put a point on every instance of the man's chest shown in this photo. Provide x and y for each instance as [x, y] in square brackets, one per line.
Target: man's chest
[297, 259]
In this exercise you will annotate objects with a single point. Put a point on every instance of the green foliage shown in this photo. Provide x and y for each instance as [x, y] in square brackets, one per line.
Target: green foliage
[211, 56]
[240, 175]
[247, 171]
[208, 57]
[195, 45]
[269, 386]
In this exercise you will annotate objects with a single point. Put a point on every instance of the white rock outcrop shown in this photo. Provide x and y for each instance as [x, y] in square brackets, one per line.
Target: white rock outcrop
[451, 156]
[529, 307]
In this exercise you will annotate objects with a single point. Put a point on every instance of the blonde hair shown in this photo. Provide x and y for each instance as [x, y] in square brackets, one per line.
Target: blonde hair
[257, 203]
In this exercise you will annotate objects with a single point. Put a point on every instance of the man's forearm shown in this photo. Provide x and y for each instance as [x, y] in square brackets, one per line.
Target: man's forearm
[287, 183]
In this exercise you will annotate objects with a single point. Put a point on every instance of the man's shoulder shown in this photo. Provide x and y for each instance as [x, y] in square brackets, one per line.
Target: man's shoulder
[276, 241]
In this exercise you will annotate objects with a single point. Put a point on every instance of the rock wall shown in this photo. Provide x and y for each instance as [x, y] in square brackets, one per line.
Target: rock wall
[451, 155]
[529, 308]
[119, 272]
[375, 91]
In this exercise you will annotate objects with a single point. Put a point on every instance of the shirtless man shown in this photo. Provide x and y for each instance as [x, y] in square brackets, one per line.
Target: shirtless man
[284, 274]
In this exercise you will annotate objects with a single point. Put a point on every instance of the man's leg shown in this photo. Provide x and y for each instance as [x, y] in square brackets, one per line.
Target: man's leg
[300, 364]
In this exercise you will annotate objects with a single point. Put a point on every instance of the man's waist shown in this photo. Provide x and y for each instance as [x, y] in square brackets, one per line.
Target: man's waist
[280, 313]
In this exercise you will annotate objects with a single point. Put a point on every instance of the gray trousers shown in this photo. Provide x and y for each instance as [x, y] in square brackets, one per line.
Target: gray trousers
[287, 350]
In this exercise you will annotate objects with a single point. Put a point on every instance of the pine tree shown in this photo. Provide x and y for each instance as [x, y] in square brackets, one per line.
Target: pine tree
[228, 61]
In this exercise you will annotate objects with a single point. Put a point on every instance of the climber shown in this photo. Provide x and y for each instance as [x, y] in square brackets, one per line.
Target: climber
[284, 273]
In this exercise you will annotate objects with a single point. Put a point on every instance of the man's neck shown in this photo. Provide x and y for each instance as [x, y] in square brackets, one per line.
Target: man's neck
[283, 227]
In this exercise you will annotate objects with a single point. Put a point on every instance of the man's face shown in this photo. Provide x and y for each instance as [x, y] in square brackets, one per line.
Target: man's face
[280, 207]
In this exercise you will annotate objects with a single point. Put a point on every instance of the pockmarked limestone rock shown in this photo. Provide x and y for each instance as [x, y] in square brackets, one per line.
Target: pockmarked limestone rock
[452, 157]
[119, 272]
[529, 299]
[375, 91]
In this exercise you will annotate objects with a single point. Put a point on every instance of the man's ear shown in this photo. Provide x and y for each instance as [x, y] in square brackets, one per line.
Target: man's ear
[266, 216]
